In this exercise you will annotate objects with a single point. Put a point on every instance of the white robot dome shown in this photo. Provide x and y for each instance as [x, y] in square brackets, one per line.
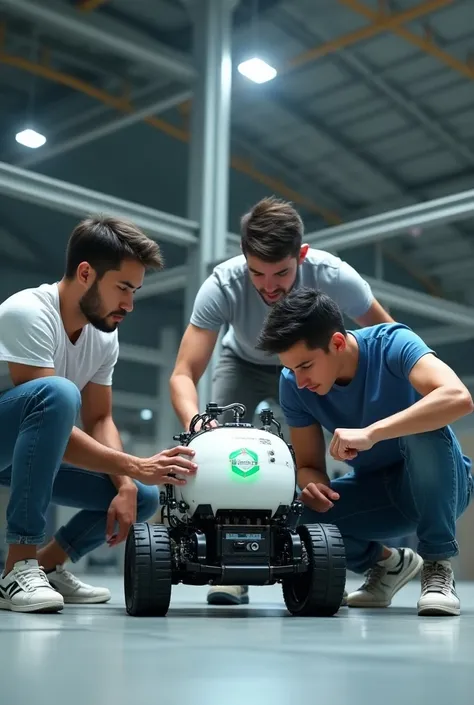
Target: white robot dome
[240, 467]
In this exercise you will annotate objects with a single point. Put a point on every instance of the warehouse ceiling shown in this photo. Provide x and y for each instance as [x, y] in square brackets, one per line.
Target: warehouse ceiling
[372, 109]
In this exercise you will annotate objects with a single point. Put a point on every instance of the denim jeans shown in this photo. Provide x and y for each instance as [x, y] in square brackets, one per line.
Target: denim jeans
[36, 420]
[424, 495]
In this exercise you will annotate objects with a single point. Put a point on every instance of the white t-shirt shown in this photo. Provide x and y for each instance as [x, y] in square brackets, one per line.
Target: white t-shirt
[32, 333]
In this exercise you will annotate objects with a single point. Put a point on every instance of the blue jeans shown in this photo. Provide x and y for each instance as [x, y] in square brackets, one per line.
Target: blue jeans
[424, 495]
[36, 420]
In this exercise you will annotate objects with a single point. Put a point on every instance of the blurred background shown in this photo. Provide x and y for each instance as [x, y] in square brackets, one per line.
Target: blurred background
[181, 114]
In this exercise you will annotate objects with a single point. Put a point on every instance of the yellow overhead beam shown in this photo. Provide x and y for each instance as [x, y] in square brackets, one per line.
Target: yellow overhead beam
[121, 104]
[239, 164]
[425, 43]
[380, 23]
[90, 5]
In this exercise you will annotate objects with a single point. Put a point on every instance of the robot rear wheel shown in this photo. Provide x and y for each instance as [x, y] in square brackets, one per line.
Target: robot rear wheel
[319, 591]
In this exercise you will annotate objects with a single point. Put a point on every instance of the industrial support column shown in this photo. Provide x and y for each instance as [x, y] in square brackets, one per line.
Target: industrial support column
[208, 189]
[166, 423]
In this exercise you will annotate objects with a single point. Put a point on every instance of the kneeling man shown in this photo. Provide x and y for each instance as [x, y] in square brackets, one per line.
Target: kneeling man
[389, 401]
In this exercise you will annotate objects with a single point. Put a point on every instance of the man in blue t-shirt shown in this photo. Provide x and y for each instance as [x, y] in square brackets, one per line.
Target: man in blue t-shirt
[388, 400]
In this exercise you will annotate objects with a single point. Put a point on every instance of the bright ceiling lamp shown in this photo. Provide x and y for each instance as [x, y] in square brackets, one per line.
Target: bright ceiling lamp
[257, 70]
[30, 138]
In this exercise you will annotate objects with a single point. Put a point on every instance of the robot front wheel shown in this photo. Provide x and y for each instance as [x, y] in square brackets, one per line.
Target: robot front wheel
[148, 570]
[318, 592]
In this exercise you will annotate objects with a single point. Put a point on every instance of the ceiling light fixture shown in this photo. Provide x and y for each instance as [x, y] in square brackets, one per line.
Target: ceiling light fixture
[30, 138]
[257, 70]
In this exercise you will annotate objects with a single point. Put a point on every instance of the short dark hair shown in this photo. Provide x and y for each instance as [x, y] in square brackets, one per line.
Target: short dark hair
[105, 242]
[272, 230]
[302, 315]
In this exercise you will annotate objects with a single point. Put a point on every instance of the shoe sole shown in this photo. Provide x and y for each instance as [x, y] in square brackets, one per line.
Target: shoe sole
[47, 608]
[418, 560]
[87, 600]
[224, 598]
[439, 611]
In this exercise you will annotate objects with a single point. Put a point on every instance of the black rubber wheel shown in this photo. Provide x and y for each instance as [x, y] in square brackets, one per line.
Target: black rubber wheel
[147, 573]
[319, 591]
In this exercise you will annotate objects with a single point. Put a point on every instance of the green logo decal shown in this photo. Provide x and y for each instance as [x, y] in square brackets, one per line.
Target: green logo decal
[244, 462]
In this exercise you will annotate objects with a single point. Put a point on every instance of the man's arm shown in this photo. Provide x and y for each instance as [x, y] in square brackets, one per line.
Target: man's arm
[98, 423]
[311, 475]
[82, 450]
[210, 312]
[310, 454]
[193, 357]
[309, 447]
[375, 314]
[355, 298]
[445, 399]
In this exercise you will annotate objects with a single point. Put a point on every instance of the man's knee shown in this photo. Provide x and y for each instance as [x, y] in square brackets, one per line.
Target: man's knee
[148, 501]
[432, 453]
[57, 394]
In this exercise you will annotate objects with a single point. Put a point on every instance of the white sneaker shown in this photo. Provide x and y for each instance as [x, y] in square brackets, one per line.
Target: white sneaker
[27, 589]
[438, 590]
[386, 578]
[228, 595]
[74, 591]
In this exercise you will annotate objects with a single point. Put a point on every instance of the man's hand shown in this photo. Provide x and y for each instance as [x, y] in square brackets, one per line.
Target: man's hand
[347, 442]
[156, 470]
[123, 511]
[318, 496]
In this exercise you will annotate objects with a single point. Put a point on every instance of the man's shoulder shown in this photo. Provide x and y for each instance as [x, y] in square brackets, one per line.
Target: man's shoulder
[321, 258]
[34, 302]
[232, 271]
[384, 332]
[320, 267]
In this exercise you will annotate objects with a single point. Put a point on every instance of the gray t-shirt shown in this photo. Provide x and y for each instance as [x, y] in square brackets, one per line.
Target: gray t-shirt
[228, 297]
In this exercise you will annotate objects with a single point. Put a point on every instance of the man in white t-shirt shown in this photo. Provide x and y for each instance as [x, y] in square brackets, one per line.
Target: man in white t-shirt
[58, 349]
[238, 295]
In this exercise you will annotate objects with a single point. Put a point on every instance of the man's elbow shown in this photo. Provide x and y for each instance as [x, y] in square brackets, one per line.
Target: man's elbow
[463, 399]
[374, 315]
[180, 373]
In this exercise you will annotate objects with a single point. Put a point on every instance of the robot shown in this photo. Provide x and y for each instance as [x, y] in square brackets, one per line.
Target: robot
[236, 523]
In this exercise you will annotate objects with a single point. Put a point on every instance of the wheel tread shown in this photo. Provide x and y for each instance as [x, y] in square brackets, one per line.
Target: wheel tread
[148, 570]
[326, 579]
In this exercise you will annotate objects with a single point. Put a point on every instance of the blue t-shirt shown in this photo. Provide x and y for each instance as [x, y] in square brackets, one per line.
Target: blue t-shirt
[380, 388]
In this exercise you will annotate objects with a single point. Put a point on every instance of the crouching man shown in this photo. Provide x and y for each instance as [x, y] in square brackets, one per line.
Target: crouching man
[58, 350]
[389, 401]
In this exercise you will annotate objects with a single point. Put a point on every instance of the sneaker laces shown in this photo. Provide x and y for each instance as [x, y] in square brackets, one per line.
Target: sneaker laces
[67, 577]
[32, 578]
[436, 577]
[373, 577]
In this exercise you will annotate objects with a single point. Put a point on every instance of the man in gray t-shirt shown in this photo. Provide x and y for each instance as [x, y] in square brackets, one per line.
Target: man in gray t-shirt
[237, 296]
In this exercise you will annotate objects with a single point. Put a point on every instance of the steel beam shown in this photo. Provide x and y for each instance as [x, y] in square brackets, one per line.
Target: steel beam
[380, 227]
[453, 268]
[208, 190]
[166, 423]
[75, 200]
[425, 305]
[142, 354]
[132, 400]
[165, 102]
[436, 336]
[402, 298]
[105, 34]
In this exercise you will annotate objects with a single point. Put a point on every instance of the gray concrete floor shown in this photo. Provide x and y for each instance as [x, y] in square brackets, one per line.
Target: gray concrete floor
[258, 654]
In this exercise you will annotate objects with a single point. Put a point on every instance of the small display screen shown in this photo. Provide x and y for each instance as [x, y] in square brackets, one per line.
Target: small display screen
[244, 537]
